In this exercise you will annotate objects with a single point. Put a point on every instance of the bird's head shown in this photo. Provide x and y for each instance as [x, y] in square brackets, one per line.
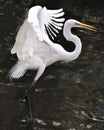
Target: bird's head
[75, 23]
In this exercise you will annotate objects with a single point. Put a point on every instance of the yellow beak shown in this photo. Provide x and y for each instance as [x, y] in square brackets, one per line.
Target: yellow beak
[86, 26]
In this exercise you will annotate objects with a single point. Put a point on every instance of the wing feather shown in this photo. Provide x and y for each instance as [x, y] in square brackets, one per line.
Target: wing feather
[54, 11]
[40, 24]
[56, 15]
[58, 20]
[51, 21]
[46, 22]
[50, 33]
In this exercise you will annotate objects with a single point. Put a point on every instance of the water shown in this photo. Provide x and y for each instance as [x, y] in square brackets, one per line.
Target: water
[69, 96]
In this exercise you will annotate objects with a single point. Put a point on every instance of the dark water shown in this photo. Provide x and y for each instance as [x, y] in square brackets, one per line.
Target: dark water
[68, 96]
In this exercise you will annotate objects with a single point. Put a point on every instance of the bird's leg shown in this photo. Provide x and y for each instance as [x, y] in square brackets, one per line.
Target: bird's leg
[27, 98]
[29, 90]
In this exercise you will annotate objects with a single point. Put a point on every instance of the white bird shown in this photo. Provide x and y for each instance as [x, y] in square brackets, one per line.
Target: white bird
[34, 48]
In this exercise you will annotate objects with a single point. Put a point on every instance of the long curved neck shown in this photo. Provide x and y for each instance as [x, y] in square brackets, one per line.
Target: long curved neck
[73, 38]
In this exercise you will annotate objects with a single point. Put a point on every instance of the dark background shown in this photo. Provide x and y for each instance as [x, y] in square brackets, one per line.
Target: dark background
[69, 96]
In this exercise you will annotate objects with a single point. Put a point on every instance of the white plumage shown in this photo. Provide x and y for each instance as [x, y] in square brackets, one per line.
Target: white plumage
[36, 51]
[32, 40]
[33, 46]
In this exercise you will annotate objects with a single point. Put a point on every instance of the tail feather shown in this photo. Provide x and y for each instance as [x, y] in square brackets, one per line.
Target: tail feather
[18, 70]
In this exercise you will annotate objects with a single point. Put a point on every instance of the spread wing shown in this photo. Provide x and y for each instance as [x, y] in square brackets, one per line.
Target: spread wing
[51, 21]
[32, 36]
[46, 22]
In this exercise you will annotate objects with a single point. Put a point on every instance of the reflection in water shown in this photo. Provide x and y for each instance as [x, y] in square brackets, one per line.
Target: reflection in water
[67, 97]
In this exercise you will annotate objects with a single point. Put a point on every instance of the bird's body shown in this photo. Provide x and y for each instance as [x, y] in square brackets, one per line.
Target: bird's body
[34, 48]
[35, 54]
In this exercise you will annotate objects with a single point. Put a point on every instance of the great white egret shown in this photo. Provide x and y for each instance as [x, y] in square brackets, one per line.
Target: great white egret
[34, 48]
